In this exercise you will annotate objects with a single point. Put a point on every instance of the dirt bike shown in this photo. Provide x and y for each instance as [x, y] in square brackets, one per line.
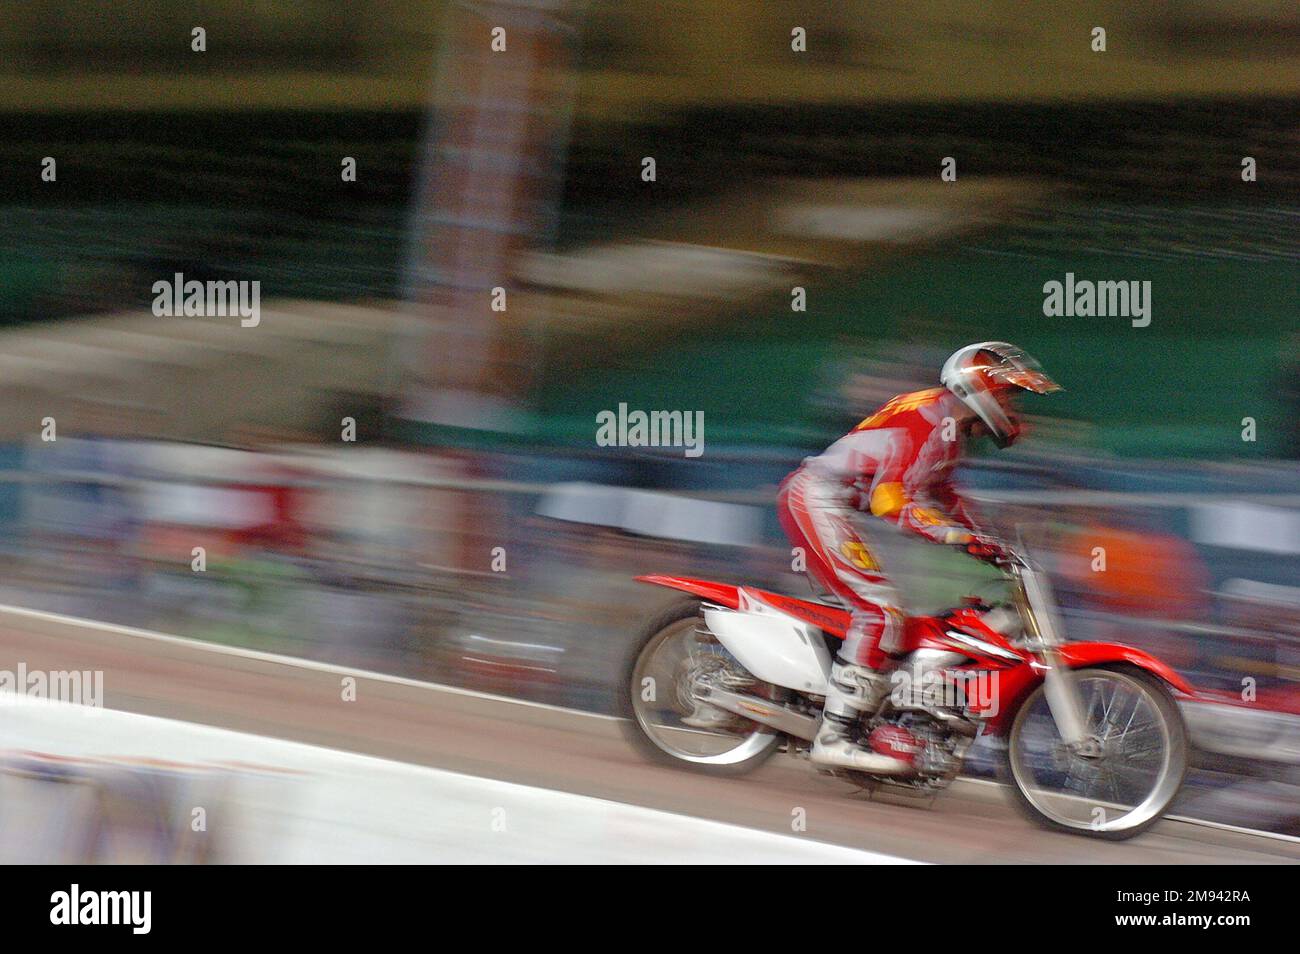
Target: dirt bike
[1094, 742]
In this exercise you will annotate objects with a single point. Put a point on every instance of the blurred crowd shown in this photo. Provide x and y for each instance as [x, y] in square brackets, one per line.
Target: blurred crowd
[415, 562]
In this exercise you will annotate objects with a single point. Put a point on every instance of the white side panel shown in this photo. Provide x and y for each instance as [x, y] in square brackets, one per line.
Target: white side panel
[774, 647]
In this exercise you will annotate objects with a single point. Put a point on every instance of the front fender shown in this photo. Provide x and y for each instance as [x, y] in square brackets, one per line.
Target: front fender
[1014, 685]
[1083, 655]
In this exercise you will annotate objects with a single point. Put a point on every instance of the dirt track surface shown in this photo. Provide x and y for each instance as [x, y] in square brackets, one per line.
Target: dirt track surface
[567, 751]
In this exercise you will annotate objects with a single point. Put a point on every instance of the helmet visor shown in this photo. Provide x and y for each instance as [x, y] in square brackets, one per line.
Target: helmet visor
[1016, 369]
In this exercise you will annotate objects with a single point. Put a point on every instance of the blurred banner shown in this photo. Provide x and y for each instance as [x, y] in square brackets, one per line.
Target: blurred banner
[372, 52]
[488, 187]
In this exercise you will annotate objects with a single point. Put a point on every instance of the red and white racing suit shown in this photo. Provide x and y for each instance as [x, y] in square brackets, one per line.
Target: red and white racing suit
[897, 466]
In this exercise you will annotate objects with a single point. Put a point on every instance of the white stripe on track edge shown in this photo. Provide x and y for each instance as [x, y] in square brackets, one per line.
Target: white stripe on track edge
[296, 662]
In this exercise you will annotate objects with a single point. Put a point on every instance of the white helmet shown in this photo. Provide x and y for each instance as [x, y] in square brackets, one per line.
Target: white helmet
[982, 374]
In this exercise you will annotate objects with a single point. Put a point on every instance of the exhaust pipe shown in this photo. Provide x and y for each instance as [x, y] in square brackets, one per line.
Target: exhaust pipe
[769, 713]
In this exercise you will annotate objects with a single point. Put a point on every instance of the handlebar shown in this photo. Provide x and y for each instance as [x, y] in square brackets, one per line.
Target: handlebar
[1013, 561]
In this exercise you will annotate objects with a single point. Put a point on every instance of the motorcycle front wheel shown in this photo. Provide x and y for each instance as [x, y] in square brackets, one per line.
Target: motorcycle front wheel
[667, 658]
[1124, 781]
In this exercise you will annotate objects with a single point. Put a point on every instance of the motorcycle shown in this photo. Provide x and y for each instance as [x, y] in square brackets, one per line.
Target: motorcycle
[1093, 740]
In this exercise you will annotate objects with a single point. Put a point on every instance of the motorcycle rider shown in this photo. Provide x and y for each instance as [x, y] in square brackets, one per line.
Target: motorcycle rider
[896, 466]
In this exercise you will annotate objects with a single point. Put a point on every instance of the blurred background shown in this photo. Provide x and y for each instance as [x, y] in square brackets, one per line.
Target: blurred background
[465, 527]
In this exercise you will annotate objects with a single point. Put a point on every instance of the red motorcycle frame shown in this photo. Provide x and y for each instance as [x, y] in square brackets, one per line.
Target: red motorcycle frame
[1017, 676]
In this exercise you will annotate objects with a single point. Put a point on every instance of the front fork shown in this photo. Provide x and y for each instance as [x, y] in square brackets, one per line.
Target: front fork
[1059, 684]
[1067, 708]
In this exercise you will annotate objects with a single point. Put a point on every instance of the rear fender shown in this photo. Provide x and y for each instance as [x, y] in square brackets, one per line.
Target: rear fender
[723, 594]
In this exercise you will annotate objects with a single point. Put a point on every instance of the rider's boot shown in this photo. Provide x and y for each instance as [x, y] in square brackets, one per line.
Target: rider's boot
[850, 691]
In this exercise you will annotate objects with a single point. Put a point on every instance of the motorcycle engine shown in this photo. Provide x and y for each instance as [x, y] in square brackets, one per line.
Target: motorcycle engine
[934, 750]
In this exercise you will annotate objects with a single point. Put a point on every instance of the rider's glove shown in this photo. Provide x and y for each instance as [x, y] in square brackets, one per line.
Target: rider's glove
[986, 549]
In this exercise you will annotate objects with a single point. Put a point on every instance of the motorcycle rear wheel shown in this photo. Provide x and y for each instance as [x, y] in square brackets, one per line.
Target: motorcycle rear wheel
[654, 700]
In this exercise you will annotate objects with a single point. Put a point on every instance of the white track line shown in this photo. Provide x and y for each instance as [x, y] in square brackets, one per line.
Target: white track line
[295, 662]
[1187, 819]
[331, 806]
